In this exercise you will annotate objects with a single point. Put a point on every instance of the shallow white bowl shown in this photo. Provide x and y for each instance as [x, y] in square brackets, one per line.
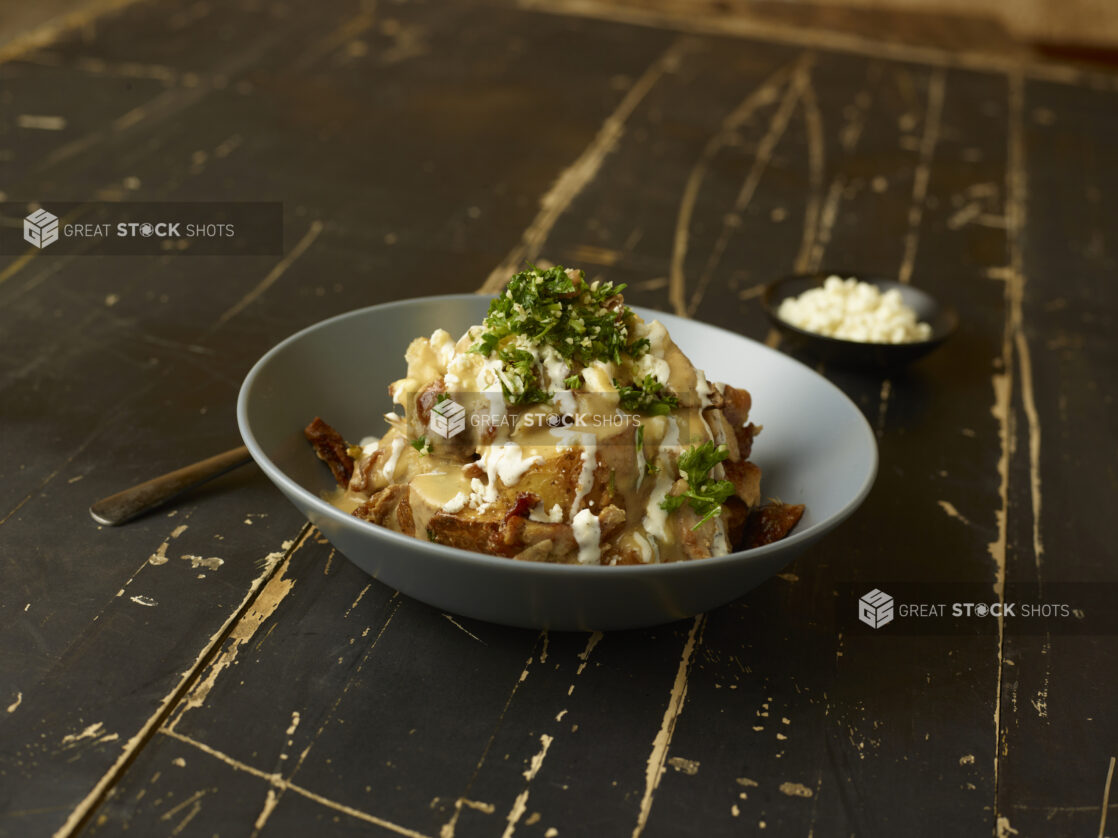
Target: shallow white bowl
[816, 449]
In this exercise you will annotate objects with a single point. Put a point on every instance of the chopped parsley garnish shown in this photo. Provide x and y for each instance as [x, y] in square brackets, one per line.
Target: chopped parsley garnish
[422, 446]
[705, 494]
[649, 468]
[558, 311]
[582, 321]
[648, 396]
[520, 378]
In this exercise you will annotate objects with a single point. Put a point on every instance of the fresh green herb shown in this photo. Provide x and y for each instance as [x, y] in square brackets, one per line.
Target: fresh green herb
[573, 382]
[520, 378]
[705, 494]
[422, 446]
[441, 397]
[582, 321]
[649, 467]
[648, 396]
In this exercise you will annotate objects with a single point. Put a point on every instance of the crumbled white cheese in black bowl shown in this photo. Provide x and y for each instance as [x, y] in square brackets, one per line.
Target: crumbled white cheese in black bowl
[857, 321]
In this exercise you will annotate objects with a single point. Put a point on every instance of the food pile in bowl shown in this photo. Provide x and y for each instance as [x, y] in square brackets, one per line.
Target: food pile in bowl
[563, 429]
[849, 309]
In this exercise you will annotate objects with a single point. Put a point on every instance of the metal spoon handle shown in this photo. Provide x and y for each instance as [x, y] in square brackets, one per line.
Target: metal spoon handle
[123, 506]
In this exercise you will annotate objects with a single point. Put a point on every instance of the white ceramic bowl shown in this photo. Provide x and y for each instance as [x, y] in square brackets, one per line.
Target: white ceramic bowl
[816, 449]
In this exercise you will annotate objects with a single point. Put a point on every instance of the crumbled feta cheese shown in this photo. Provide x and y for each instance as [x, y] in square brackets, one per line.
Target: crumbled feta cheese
[555, 516]
[456, 504]
[853, 310]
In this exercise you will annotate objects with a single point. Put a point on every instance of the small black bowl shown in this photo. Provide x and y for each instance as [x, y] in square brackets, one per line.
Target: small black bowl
[942, 318]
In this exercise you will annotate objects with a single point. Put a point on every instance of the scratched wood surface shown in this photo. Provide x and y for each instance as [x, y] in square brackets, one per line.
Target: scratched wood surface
[215, 668]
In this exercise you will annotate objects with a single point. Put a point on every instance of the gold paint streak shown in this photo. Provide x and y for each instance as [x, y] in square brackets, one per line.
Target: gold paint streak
[345, 33]
[20, 263]
[537, 760]
[883, 405]
[811, 253]
[595, 255]
[233, 763]
[353, 605]
[762, 95]
[170, 813]
[1106, 799]
[654, 284]
[1003, 384]
[520, 805]
[91, 732]
[815, 38]
[965, 215]
[354, 813]
[584, 655]
[464, 629]
[194, 801]
[129, 748]
[663, 739]
[478, 805]
[394, 602]
[687, 766]
[52, 30]
[286, 785]
[575, 177]
[448, 828]
[279, 270]
[952, 512]
[1017, 196]
[813, 122]
[817, 235]
[271, 799]
[16, 266]
[937, 85]
[265, 604]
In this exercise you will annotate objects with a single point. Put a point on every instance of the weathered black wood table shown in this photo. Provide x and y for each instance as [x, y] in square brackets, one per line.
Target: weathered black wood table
[215, 668]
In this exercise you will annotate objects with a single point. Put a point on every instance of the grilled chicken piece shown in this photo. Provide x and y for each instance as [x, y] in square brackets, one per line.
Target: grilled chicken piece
[771, 522]
[331, 448]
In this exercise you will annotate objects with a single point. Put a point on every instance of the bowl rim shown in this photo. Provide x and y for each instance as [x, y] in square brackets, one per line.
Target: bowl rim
[770, 290]
[323, 508]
